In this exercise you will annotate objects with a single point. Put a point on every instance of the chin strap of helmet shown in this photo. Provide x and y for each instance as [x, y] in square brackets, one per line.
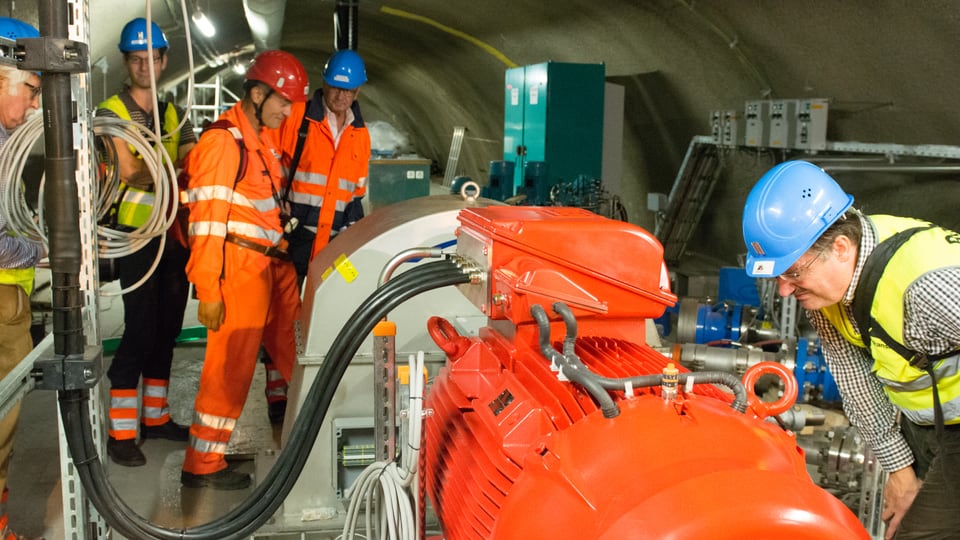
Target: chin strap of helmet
[259, 108]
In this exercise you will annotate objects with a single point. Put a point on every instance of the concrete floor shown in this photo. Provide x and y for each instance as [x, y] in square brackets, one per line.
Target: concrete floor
[154, 491]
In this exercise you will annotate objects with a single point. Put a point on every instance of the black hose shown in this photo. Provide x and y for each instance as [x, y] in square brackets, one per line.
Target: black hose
[571, 366]
[729, 380]
[543, 324]
[260, 505]
[569, 340]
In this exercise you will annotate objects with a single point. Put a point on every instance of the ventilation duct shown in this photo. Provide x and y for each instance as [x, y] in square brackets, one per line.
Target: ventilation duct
[265, 18]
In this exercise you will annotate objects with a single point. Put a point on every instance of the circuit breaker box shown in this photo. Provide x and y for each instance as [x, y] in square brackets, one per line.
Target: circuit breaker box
[757, 119]
[553, 125]
[783, 127]
[812, 124]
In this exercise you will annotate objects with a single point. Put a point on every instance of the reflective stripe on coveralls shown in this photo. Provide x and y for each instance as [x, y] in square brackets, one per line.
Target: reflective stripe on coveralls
[276, 389]
[327, 178]
[156, 410]
[123, 413]
[907, 387]
[260, 293]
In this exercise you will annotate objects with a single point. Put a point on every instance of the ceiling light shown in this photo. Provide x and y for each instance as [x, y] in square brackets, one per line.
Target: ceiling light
[239, 68]
[203, 24]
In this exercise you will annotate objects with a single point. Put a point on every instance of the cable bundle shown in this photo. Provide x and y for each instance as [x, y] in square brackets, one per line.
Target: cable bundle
[384, 487]
[112, 243]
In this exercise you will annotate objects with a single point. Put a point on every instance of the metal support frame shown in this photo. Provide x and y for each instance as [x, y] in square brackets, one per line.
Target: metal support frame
[81, 520]
[456, 145]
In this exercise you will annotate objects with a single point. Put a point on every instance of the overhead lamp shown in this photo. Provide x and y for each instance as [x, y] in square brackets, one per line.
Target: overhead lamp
[239, 68]
[203, 24]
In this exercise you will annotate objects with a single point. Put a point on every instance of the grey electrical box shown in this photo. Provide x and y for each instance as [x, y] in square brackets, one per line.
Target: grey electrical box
[716, 125]
[783, 117]
[395, 180]
[812, 123]
[731, 133]
[757, 123]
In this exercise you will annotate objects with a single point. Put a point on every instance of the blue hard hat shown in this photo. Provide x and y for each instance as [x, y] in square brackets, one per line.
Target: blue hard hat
[15, 29]
[134, 36]
[786, 212]
[345, 69]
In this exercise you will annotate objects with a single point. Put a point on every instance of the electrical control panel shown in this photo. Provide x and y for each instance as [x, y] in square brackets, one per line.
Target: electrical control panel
[757, 123]
[732, 130]
[812, 123]
[783, 117]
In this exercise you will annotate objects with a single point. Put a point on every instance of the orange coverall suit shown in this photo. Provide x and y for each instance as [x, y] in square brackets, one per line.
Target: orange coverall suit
[328, 176]
[259, 292]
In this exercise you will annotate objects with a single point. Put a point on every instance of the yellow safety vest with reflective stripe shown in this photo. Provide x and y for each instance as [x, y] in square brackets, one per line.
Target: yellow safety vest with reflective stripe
[136, 204]
[18, 276]
[907, 387]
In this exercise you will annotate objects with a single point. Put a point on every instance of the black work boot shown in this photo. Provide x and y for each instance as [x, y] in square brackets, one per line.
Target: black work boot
[125, 452]
[225, 479]
[169, 430]
[277, 410]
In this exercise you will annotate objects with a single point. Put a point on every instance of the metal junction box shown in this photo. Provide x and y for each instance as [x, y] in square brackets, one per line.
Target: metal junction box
[757, 120]
[732, 131]
[812, 124]
[783, 117]
[395, 180]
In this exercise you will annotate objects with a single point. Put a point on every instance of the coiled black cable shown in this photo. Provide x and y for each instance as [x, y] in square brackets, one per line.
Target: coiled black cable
[263, 502]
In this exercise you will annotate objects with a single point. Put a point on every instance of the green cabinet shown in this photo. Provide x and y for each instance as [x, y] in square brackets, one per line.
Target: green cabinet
[394, 180]
[553, 125]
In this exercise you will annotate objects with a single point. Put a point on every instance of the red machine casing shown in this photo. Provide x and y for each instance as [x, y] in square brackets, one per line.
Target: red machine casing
[512, 452]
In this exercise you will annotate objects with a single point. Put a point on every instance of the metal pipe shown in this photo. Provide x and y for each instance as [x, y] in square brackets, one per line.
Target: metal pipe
[405, 256]
[894, 168]
[60, 199]
[346, 23]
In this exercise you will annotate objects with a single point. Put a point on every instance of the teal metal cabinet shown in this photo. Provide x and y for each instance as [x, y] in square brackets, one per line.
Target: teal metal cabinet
[553, 125]
[395, 180]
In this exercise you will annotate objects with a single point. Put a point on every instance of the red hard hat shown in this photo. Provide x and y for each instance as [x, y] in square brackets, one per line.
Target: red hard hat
[281, 71]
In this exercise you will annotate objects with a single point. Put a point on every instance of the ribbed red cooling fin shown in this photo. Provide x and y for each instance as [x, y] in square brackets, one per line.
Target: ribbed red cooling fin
[470, 476]
[469, 473]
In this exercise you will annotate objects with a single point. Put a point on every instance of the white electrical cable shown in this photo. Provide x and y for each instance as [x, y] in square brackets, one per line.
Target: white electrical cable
[112, 243]
[387, 486]
[13, 159]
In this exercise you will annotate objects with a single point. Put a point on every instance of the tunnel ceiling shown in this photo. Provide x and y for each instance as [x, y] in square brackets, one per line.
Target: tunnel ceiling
[888, 67]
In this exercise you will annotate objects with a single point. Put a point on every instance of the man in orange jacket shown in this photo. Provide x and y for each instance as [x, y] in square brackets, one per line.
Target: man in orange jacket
[245, 282]
[327, 168]
[325, 149]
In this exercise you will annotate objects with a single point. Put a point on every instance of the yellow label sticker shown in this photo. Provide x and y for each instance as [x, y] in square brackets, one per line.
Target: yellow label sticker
[346, 268]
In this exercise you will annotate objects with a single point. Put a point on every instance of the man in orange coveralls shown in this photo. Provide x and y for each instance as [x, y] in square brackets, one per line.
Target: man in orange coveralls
[245, 282]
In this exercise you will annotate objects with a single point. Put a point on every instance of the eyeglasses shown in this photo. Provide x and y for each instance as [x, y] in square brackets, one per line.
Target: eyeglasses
[137, 61]
[34, 90]
[793, 276]
[338, 90]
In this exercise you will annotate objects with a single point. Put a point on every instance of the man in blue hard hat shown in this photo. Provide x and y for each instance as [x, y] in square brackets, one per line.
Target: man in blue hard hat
[152, 312]
[325, 149]
[19, 95]
[883, 293]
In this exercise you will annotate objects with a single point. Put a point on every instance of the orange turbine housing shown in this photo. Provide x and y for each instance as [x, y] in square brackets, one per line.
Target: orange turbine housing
[514, 452]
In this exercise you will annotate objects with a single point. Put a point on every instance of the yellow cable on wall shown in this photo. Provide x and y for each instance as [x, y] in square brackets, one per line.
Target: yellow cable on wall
[452, 31]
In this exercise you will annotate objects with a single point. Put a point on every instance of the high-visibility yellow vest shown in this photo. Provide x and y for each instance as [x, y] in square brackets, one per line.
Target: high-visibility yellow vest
[18, 276]
[136, 204]
[908, 387]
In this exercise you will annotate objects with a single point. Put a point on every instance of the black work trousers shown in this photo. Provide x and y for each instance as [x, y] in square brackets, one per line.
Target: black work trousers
[935, 513]
[152, 314]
